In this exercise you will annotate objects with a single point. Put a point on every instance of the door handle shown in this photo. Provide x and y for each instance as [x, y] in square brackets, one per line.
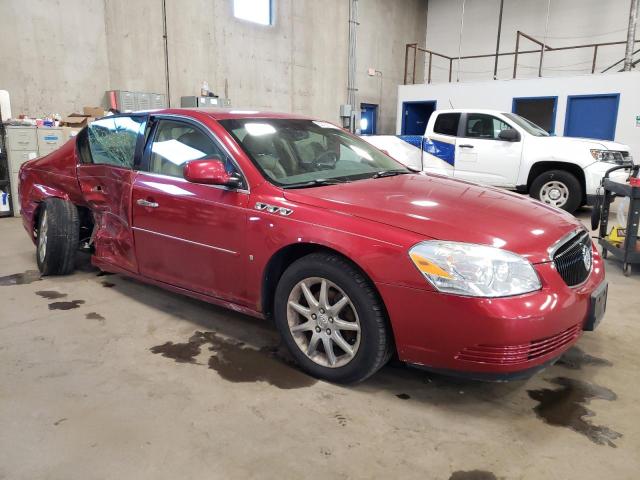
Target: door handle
[466, 145]
[146, 203]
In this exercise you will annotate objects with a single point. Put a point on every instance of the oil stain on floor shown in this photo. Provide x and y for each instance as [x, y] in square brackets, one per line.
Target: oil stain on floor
[94, 316]
[575, 358]
[237, 362]
[24, 278]
[108, 284]
[50, 294]
[65, 305]
[565, 407]
[472, 475]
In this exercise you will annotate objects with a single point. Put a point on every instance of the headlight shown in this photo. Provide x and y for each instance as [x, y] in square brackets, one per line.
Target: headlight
[474, 270]
[607, 156]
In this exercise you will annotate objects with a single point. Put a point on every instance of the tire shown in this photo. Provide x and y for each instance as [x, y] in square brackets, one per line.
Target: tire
[58, 237]
[548, 184]
[370, 345]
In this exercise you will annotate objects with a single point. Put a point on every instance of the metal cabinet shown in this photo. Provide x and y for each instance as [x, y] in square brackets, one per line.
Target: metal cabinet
[126, 101]
[22, 146]
[49, 139]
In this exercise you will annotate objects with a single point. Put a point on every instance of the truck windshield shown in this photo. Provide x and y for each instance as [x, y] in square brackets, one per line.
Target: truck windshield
[528, 126]
[295, 153]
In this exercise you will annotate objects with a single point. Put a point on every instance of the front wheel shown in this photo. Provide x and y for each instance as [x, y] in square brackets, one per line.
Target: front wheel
[559, 189]
[332, 319]
[58, 237]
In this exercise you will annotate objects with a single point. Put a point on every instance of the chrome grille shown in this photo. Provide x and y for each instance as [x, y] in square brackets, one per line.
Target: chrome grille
[573, 258]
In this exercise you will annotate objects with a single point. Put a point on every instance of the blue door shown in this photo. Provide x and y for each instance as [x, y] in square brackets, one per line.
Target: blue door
[415, 116]
[368, 118]
[592, 116]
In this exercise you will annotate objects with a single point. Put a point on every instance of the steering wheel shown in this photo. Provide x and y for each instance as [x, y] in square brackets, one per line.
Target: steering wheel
[326, 160]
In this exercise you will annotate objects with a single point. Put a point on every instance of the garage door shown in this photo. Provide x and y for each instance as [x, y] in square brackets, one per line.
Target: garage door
[592, 116]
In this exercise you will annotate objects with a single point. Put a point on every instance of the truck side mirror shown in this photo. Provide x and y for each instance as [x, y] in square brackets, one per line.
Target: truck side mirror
[509, 135]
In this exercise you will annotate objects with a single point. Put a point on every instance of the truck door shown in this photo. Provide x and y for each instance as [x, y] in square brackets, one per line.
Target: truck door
[108, 149]
[481, 156]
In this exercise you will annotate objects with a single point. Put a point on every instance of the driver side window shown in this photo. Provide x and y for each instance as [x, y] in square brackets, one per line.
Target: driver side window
[480, 125]
[175, 143]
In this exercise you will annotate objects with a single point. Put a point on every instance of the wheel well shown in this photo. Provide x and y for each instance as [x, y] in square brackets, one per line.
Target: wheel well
[542, 167]
[84, 215]
[281, 260]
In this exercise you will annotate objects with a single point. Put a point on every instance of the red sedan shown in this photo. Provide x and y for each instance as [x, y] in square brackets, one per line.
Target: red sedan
[354, 257]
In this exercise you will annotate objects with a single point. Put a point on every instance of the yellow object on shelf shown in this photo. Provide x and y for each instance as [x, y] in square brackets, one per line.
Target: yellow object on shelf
[617, 236]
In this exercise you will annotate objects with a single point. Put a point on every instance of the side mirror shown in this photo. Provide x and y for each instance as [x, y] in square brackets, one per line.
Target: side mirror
[509, 135]
[211, 171]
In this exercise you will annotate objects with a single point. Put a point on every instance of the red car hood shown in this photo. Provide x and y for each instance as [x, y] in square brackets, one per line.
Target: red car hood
[446, 209]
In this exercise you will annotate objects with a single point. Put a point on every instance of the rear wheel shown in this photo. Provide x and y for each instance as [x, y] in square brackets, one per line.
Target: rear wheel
[58, 237]
[559, 189]
[331, 319]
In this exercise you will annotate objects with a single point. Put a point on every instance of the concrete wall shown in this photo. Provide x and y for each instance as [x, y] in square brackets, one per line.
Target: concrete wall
[499, 94]
[65, 53]
[385, 29]
[53, 54]
[571, 22]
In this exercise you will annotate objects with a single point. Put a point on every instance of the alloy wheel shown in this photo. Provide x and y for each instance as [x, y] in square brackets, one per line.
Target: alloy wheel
[323, 322]
[42, 237]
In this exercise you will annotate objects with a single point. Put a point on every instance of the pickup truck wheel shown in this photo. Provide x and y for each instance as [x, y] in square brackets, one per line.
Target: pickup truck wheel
[58, 237]
[559, 189]
[331, 319]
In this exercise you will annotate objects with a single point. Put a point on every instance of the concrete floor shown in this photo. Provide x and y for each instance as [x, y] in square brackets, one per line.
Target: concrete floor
[84, 396]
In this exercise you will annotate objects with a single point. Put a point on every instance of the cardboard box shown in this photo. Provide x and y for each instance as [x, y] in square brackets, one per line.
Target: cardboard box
[68, 132]
[74, 120]
[93, 111]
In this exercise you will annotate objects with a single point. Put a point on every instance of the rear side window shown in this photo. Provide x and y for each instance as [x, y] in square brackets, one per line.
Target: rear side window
[447, 124]
[112, 141]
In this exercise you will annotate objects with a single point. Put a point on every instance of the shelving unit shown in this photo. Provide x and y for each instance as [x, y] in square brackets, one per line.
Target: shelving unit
[628, 252]
[5, 185]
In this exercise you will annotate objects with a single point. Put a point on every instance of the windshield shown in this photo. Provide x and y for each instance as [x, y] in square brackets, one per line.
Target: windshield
[528, 126]
[301, 153]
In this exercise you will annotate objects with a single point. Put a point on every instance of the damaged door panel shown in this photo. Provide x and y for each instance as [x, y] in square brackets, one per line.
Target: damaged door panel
[108, 151]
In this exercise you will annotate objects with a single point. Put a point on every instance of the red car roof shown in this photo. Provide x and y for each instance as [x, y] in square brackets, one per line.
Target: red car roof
[229, 113]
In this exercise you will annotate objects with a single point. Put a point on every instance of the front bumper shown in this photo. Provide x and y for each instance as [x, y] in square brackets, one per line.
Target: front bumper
[594, 173]
[494, 338]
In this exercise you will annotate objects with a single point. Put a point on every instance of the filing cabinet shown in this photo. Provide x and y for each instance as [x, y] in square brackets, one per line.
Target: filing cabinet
[49, 139]
[27, 143]
[22, 146]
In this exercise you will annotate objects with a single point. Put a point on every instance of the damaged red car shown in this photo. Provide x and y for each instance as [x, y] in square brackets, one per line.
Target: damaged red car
[354, 257]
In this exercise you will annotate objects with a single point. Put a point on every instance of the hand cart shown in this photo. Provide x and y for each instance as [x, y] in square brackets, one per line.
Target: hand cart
[629, 251]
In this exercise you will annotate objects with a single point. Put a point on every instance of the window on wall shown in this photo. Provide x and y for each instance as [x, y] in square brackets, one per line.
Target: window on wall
[257, 11]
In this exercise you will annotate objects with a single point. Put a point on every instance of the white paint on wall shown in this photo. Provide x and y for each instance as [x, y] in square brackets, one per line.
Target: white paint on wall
[571, 22]
[499, 95]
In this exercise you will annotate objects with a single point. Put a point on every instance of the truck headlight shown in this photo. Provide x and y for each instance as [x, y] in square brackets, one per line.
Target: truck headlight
[607, 156]
[474, 270]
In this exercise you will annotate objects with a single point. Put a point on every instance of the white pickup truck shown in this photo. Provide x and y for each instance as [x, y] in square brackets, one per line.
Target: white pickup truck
[506, 150]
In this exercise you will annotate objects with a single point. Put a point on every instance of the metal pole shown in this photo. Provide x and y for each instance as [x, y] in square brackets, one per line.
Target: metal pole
[430, 60]
[631, 35]
[544, 41]
[595, 54]
[415, 54]
[426, 41]
[495, 66]
[406, 59]
[460, 40]
[166, 52]
[515, 56]
[450, 68]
